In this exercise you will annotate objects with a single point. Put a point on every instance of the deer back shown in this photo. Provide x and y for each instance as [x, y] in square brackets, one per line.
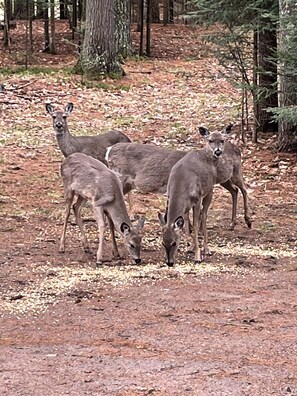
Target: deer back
[145, 167]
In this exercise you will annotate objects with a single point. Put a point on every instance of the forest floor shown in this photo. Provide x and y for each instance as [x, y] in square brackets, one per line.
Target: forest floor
[225, 327]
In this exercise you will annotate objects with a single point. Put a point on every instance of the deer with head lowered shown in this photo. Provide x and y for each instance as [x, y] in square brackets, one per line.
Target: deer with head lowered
[146, 167]
[89, 179]
[95, 146]
[190, 187]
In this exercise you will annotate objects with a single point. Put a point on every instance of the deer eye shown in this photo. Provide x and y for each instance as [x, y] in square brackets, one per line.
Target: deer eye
[132, 246]
[173, 244]
[210, 141]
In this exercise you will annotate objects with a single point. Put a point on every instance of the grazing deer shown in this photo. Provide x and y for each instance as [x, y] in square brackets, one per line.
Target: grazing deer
[190, 187]
[146, 167]
[95, 146]
[89, 179]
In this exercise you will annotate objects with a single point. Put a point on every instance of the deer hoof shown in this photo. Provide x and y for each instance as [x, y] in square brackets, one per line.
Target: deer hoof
[99, 263]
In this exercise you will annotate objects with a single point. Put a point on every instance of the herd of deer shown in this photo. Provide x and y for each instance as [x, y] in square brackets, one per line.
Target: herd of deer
[103, 168]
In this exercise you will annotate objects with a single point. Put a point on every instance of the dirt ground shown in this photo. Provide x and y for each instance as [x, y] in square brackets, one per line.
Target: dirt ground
[225, 327]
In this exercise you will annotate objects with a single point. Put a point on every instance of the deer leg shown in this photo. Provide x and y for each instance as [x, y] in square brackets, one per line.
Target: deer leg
[77, 207]
[196, 227]
[247, 217]
[188, 229]
[115, 250]
[99, 215]
[205, 206]
[233, 190]
[69, 200]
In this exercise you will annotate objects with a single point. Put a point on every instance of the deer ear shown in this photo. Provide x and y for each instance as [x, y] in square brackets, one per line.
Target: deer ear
[49, 108]
[161, 219]
[179, 223]
[140, 223]
[228, 129]
[125, 229]
[203, 131]
[69, 107]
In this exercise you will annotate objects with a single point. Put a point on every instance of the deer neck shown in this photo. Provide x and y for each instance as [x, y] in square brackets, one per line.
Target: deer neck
[67, 143]
[117, 211]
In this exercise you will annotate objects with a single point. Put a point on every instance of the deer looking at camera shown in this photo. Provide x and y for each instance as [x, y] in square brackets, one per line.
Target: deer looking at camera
[89, 179]
[95, 146]
[190, 187]
[146, 168]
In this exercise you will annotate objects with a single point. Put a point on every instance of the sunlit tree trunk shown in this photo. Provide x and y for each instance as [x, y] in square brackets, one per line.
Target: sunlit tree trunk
[123, 37]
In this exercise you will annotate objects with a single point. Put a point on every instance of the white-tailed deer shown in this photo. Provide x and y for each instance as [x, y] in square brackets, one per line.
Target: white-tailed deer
[89, 179]
[146, 167]
[190, 187]
[95, 146]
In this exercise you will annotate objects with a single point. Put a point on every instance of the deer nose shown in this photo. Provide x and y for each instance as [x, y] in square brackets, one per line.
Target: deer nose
[170, 263]
[59, 125]
[218, 152]
[138, 261]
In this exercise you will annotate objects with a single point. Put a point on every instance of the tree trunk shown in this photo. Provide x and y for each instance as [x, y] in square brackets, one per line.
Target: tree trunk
[148, 27]
[255, 84]
[98, 55]
[63, 9]
[40, 4]
[165, 12]
[30, 13]
[46, 28]
[267, 79]
[74, 17]
[171, 11]
[141, 26]
[6, 35]
[287, 133]
[155, 12]
[53, 28]
[20, 9]
[123, 37]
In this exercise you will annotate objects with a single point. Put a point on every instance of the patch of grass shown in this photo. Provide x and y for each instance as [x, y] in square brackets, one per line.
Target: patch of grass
[266, 226]
[105, 86]
[33, 71]
[24, 136]
[124, 121]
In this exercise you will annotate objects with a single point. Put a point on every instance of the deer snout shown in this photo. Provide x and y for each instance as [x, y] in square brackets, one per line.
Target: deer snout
[218, 152]
[138, 261]
[59, 125]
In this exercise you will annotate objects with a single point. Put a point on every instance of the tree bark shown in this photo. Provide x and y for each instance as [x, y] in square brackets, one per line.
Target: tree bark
[155, 12]
[6, 35]
[98, 55]
[53, 28]
[287, 133]
[123, 37]
[267, 80]
[46, 28]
